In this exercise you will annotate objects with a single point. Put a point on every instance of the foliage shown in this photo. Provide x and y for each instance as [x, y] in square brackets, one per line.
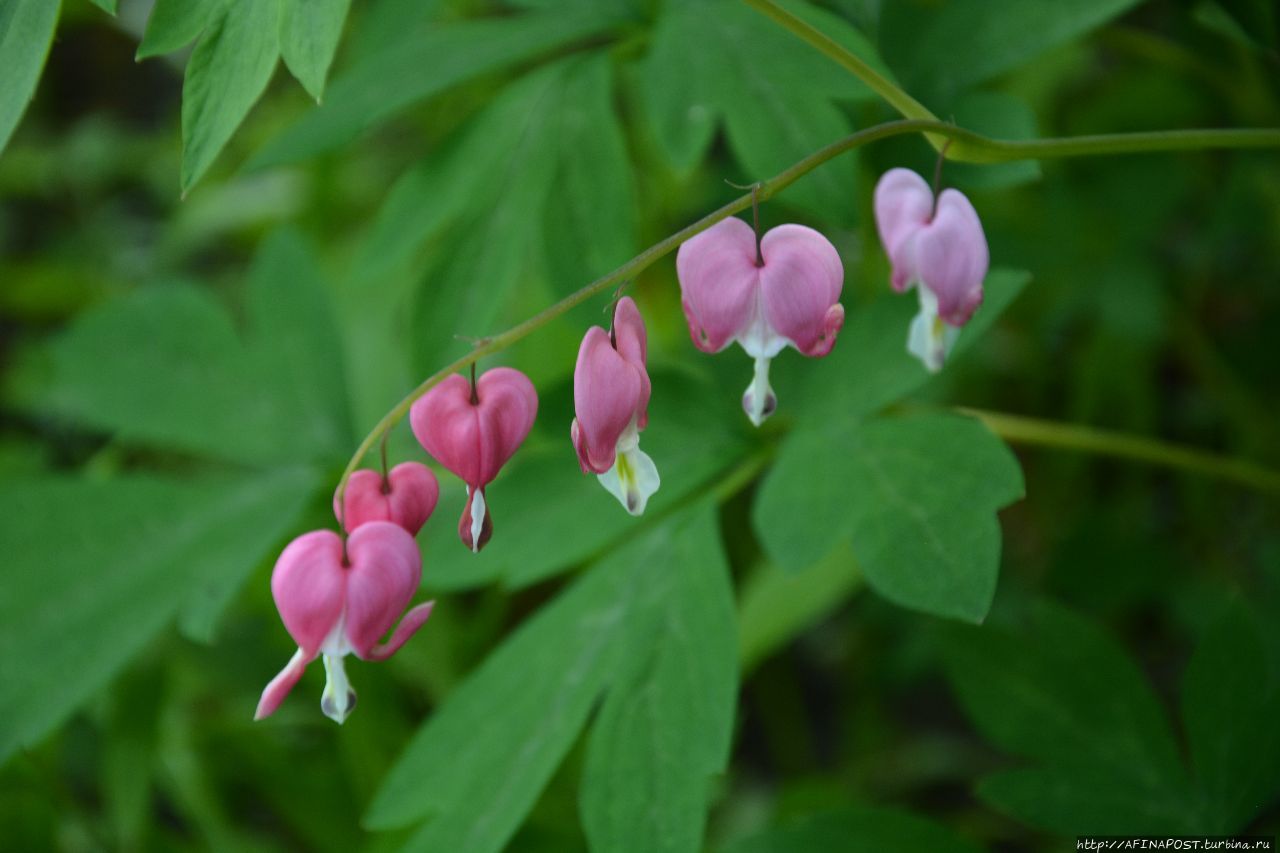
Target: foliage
[184, 380]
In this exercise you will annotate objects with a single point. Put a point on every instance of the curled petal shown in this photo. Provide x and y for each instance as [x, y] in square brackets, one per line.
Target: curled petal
[409, 625]
[386, 567]
[718, 280]
[279, 687]
[407, 498]
[309, 587]
[607, 397]
[799, 285]
[903, 204]
[951, 257]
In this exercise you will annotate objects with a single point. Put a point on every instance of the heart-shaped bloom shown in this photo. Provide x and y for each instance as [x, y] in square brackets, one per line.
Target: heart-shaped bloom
[941, 249]
[406, 497]
[611, 399]
[473, 432]
[335, 602]
[784, 297]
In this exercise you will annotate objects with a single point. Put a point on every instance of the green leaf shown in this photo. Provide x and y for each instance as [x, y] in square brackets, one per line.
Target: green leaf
[939, 48]
[1002, 116]
[719, 60]
[108, 6]
[1230, 705]
[665, 729]
[1063, 694]
[508, 726]
[195, 386]
[174, 24]
[916, 497]
[26, 31]
[856, 830]
[777, 604]
[96, 569]
[309, 34]
[227, 73]
[423, 64]
[537, 537]
[869, 368]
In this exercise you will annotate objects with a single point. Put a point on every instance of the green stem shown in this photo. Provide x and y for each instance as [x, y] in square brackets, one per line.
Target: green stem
[1024, 430]
[994, 150]
[908, 106]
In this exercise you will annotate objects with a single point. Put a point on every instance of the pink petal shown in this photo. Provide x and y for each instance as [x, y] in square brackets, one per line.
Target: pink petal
[799, 285]
[309, 587]
[951, 257]
[607, 396]
[409, 625]
[508, 407]
[631, 341]
[445, 424]
[903, 204]
[718, 279]
[280, 686]
[386, 567]
[407, 499]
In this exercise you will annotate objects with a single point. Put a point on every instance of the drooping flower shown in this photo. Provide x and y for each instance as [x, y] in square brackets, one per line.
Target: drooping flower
[611, 398]
[941, 249]
[783, 295]
[406, 497]
[473, 431]
[335, 602]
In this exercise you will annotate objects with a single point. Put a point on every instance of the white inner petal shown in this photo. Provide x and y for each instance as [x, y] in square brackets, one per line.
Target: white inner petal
[338, 698]
[930, 338]
[759, 400]
[633, 478]
[477, 518]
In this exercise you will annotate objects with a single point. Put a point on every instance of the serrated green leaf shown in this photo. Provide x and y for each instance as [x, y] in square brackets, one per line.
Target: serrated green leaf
[227, 73]
[174, 24]
[939, 48]
[196, 385]
[508, 726]
[96, 569]
[665, 729]
[916, 497]
[722, 61]
[1230, 705]
[857, 830]
[869, 368]
[540, 537]
[26, 31]
[425, 63]
[1062, 693]
[309, 34]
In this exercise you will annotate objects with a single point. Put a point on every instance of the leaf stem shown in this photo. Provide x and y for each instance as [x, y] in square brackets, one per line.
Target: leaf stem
[1019, 429]
[993, 150]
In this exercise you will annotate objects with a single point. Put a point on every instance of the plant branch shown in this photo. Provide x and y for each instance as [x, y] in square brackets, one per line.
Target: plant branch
[993, 150]
[1023, 430]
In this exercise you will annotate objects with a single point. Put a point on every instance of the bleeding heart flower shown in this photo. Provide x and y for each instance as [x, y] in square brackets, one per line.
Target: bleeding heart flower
[611, 398]
[336, 603]
[406, 497]
[942, 249]
[783, 295]
[473, 432]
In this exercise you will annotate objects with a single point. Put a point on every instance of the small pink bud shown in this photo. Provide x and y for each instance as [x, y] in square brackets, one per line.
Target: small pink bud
[787, 298]
[943, 250]
[334, 605]
[611, 397]
[474, 434]
[407, 497]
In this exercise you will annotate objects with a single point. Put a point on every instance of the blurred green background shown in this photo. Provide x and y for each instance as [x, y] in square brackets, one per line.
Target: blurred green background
[237, 342]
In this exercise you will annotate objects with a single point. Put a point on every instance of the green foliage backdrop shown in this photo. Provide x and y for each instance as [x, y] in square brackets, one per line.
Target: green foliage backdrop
[1032, 597]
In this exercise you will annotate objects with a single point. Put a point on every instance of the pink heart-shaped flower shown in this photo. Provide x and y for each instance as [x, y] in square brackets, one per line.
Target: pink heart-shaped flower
[407, 497]
[610, 388]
